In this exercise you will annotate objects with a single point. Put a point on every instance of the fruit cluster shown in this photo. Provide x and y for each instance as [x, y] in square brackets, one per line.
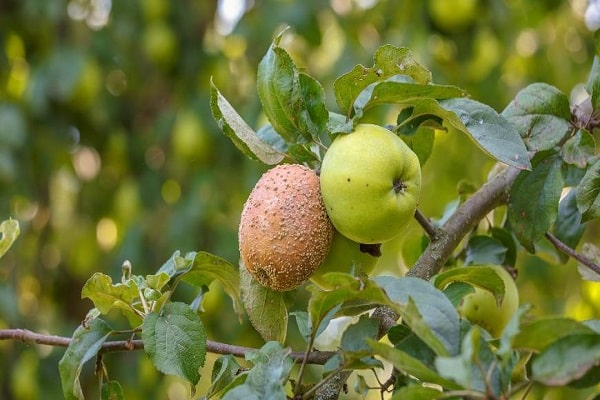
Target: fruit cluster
[297, 225]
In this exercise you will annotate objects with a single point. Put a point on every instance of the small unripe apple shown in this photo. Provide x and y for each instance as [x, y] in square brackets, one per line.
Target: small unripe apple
[370, 182]
[481, 308]
[344, 255]
[284, 233]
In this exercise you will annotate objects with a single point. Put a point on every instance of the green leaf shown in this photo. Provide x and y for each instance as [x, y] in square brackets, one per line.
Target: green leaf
[568, 227]
[353, 338]
[388, 61]
[417, 392]
[538, 334]
[265, 307]
[421, 143]
[533, 204]
[409, 365]
[85, 344]
[400, 89]
[242, 136]
[592, 253]
[541, 113]
[175, 341]
[483, 249]
[292, 101]
[111, 390]
[266, 379]
[567, 359]
[490, 131]
[579, 149]
[593, 83]
[107, 296]
[225, 376]
[10, 230]
[588, 193]
[426, 310]
[303, 322]
[480, 276]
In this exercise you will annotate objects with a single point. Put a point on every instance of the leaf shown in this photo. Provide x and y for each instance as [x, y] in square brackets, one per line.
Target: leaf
[541, 113]
[353, 338]
[292, 101]
[490, 131]
[111, 390]
[225, 375]
[417, 392]
[480, 276]
[533, 204]
[429, 307]
[267, 378]
[265, 307]
[242, 136]
[568, 227]
[10, 231]
[567, 359]
[303, 323]
[409, 365]
[175, 341]
[84, 345]
[537, 335]
[388, 61]
[107, 296]
[579, 149]
[592, 253]
[421, 143]
[588, 193]
[485, 250]
[593, 83]
[400, 89]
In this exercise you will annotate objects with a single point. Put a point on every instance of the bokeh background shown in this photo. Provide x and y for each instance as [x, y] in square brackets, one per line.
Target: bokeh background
[108, 150]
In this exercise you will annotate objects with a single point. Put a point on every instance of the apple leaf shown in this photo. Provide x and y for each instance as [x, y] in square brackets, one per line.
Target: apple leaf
[108, 296]
[9, 229]
[483, 249]
[225, 376]
[175, 341]
[541, 113]
[410, 365]
[579, 149]
[588, 193]
[534, 197]
[293, 101]
[388, 61]
[240, 133]
[85, 344]
[568, 227]
[400, 89]
[540, 333]
[265, 307]
[111, 390]
[417, 392]
[591, 252]
[480, 276]
[593, 83]
[267, 377]
[426, 310]
[490, 131]
[567, 359]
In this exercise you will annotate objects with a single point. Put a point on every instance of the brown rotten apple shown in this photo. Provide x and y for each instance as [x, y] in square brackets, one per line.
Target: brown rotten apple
[285, 233]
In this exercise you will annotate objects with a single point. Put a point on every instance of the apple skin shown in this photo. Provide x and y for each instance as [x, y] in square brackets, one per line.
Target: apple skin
[344, 254]
[370, 183]
[480, 307]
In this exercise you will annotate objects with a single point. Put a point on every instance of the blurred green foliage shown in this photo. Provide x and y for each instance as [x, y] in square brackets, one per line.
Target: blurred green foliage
[108, 151]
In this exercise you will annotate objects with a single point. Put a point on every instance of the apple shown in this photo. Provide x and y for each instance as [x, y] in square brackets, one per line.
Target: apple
[344, 255]
[481, 308]
[370, 183]
[284, 232]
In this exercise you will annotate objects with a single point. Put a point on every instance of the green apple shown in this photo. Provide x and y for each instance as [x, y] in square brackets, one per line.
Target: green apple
[343, 256]
[370, 183]
[453, 15]
[482, 309]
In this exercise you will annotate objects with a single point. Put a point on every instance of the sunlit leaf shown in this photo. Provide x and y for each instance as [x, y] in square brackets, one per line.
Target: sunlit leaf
[541, 113]
[540, 333]
[490, 131]
[416, 392]
[242, 136]
[480, 276]
[533, 204]
[84, 345]
[175, 341]
[10, 230]
[265, 307]
[588, 193]
[567, 359]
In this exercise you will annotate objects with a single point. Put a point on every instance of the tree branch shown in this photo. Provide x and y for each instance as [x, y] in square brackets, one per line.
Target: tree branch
[432, 231]
[29, 337]
[560, 246]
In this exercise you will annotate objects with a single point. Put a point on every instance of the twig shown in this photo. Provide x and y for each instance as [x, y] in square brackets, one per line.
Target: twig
[560, 246]
[432, 231]
[27, 336]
